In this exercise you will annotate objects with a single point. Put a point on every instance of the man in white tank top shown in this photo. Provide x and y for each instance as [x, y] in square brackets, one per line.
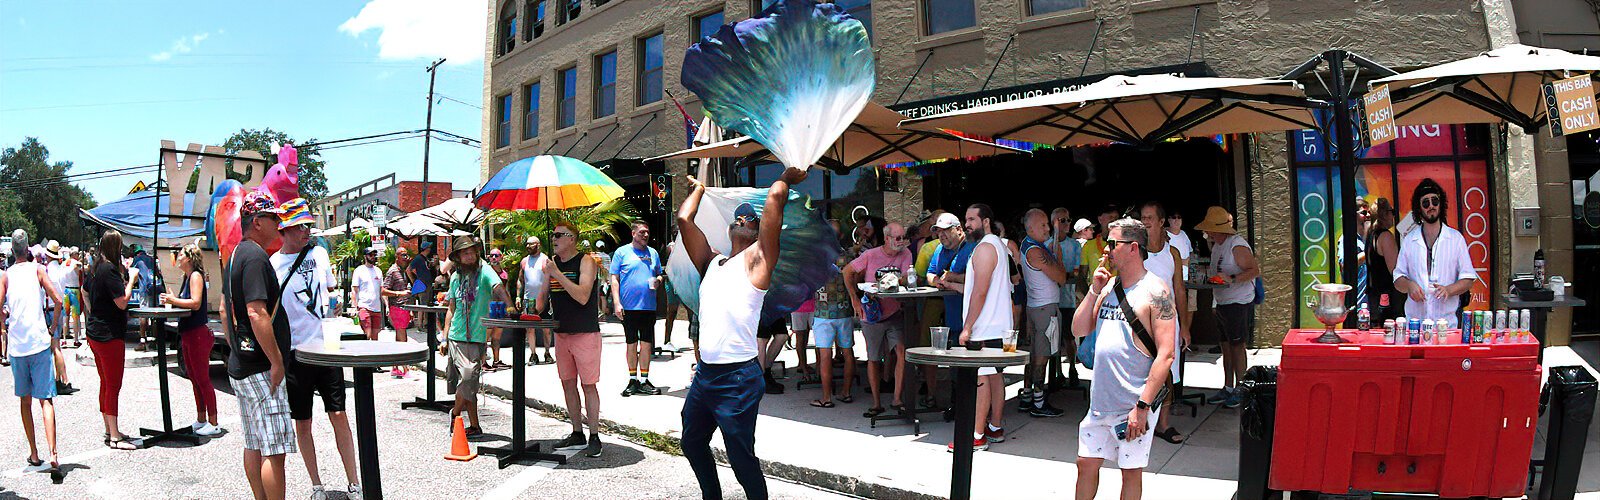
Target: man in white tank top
[728, 383]
[1168, 263]
[1128, 377]
[23, 289]
[986, 310]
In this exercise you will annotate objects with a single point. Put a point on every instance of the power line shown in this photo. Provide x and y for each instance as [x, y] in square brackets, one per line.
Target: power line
[457, 101]
[52, 181]
[123, 103]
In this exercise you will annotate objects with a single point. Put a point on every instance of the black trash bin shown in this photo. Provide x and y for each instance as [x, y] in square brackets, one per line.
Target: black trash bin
[1260, 405]
[1569, 398]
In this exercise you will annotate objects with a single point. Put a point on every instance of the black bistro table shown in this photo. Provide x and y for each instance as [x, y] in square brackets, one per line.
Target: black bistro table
[911, 303]
[430, 320]
[157, 318]
[364, 357]
[966, 363]
[520, 449]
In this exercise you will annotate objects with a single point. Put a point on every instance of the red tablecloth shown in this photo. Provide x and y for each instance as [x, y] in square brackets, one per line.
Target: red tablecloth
[1453, 420]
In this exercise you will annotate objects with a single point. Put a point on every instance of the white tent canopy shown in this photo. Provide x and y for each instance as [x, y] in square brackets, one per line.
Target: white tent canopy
[452, 212]
[1505, 84]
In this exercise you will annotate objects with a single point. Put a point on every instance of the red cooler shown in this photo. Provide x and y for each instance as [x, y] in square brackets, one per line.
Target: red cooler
[1452, 420]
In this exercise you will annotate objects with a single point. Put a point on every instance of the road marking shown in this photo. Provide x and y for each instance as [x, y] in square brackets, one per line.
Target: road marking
[513, 488]
[86, 456]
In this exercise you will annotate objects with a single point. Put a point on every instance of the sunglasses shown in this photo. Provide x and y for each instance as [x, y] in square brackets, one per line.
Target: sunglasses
[560, 234]
[745, 218]
[1111, 244]
[1431, 201]
[495, 256]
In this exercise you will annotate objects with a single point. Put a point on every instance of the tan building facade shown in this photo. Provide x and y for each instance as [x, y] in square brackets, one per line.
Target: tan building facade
[600, 69]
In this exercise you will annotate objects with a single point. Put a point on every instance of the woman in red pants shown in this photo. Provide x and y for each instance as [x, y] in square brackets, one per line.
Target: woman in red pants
[196, 338]
[108, 291]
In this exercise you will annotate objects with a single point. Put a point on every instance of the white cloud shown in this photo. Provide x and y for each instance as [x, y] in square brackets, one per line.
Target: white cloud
[182, 45]
[424, 29]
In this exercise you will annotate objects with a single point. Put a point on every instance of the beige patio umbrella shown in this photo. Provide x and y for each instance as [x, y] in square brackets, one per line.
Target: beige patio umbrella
[1505, 84]
[875, 138]
[1139, 110]
[409, 225]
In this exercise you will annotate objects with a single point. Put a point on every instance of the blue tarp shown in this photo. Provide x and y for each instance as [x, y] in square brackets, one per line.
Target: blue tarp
[134, 215]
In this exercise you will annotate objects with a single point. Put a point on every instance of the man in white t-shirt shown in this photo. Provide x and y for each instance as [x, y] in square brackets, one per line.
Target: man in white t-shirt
[367, 285]
[986, 306]
[534, 283]
[304, 303]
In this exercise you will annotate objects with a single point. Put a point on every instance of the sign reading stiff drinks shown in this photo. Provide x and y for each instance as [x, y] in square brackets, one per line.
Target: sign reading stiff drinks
[1570, 105]
[1377, 118]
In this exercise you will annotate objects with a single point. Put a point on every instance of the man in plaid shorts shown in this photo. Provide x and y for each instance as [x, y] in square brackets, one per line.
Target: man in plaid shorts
[259, 343]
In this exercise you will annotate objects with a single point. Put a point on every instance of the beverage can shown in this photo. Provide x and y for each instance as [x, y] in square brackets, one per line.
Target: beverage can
[1527, 321]
[1466, 327]
[1414, 332]
[1426, 335]
[1388, 331]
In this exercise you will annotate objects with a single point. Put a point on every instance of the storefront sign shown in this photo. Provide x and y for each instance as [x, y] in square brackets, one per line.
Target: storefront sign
[1570, 106]
[1377, 115]
[946, 104]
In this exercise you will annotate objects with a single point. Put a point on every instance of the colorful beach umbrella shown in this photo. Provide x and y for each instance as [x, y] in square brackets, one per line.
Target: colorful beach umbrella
[547, 182]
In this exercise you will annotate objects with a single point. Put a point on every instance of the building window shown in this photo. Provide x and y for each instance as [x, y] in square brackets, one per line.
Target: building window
[707, 25]
[605, 84]
[939, 16]
[1036, 7]
[566, 115]
[506, 33]
[535, 24]
[650, 62]
[758, 6]
[502, 111]
[859, 9]
[530, 110]
[569, 11]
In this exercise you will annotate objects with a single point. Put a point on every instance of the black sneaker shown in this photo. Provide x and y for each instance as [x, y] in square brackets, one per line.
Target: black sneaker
[648, 388]
[574, 440]
[593, 449]
[1045, 411]
[65, 389]
[633, 388]
[773, 387]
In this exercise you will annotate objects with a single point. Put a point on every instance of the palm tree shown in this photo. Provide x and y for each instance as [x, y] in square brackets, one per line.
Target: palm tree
[594, 223]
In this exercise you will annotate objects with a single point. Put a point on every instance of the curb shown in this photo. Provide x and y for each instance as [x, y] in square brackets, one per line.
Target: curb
[849, 485]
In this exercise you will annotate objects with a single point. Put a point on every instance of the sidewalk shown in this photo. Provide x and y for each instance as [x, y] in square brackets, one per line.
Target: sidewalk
[836, 448]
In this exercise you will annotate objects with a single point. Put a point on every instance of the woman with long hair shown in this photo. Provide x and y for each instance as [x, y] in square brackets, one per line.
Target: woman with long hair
[1383, 252]
[196, 338]
[108, 292]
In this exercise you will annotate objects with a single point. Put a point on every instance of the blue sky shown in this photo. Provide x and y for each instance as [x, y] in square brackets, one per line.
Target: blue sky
[102, 83]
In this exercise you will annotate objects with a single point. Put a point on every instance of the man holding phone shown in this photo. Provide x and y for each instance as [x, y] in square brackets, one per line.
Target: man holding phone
[1134, 322]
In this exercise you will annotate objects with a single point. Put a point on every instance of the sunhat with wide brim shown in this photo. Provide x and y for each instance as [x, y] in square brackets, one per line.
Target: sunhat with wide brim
[463, 243]
[1217, 220]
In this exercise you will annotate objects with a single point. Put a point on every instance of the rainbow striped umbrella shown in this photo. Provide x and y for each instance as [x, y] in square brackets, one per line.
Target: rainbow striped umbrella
[547, 182]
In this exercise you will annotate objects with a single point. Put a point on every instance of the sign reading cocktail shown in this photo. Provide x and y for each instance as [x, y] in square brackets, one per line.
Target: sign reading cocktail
[1570, 105]
[1378, 117]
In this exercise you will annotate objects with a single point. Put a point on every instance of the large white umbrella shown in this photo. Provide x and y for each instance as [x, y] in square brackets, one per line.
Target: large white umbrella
[874, 138]
[1140, 110]
[408, 226]
[453, 213]
[355, 224]
[1505, 84]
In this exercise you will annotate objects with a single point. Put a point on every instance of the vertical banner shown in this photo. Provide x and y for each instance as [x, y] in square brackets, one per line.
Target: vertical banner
[1570, 106]
[1312, 215]
[1475, 203]
[1377, 117]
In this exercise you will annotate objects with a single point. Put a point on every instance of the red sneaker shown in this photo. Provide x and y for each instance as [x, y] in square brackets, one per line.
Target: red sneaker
[995, 435]
[978, 444]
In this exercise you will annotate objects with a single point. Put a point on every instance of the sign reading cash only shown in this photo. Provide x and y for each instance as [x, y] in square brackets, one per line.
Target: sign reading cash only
[1377, 124]
[1570, 105]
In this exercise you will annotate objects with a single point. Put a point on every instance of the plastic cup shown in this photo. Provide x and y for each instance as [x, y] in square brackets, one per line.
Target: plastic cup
[330, 343]
[1010, 342]
[940, 337]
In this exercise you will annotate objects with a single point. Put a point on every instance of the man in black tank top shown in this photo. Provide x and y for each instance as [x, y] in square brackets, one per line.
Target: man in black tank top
[575, 303]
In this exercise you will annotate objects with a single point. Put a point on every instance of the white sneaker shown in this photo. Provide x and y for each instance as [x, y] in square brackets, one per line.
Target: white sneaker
[317, 493]
[353, 492]
[208, 430]
[669, 347]
[197, 425]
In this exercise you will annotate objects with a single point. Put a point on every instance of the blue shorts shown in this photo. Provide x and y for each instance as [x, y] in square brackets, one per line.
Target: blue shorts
[35, 375]
[829, 333]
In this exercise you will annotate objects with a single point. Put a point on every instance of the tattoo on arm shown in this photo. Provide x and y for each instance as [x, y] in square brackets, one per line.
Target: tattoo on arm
[1163, 304]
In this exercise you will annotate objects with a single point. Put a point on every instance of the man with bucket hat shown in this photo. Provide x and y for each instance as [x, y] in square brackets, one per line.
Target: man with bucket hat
[1233, 261]
[259, 347]
[472, 284]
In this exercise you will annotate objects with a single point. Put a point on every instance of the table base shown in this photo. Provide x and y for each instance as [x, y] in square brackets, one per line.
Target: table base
[421, 403]
[910, 416]
[528, 453]
[153, 436]
[426, 402]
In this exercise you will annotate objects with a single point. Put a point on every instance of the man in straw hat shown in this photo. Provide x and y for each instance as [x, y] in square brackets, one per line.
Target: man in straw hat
[1232, 260]
[472, 286]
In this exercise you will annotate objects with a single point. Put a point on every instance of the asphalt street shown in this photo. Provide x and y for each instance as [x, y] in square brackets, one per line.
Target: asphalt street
[412, 444]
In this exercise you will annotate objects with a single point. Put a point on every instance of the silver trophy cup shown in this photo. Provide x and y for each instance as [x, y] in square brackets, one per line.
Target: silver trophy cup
[1330, 309]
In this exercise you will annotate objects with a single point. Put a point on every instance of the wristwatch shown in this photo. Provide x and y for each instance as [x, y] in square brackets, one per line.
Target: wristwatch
[1142, 405]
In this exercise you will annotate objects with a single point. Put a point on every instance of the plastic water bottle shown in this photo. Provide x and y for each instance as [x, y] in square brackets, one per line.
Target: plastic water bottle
[1364, 318]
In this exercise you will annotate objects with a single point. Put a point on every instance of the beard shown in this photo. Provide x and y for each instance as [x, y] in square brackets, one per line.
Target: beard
[1430, 219]
[975, 236]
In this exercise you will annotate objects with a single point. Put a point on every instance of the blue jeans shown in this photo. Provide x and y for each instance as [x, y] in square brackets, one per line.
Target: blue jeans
[726, 397]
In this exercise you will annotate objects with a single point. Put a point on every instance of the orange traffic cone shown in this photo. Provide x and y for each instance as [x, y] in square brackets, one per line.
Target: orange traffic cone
[459, 449]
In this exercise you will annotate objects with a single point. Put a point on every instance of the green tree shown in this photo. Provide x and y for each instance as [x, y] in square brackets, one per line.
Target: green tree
[313, 182]
[11, 216]
[52, 201]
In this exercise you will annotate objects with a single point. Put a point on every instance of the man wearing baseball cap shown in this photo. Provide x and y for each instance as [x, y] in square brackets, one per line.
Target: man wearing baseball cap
[259, 344]
[367, 285]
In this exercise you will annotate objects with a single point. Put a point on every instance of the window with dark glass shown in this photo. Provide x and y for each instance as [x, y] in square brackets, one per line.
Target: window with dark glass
[530, 110]
[1036, 7]
[859, 9]
[534, 28]
[756, 6]
[569, 11]
[707, 25]
[506, 32]
[605, 84]
[649, 65]
[502, 111]
[939, 16]
[566, 115]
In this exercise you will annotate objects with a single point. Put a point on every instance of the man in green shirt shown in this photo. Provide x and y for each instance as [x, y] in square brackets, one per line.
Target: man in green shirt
[472, 286]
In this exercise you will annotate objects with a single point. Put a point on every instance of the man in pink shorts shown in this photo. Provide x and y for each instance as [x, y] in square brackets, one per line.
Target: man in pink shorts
[575, 303]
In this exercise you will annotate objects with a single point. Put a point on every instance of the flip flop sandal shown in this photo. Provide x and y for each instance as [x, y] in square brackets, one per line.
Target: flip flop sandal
[474, 431]
[847, 399]
[34, 463]
[873, 412]
[121, 443]
[1171, 436]
[822, 404]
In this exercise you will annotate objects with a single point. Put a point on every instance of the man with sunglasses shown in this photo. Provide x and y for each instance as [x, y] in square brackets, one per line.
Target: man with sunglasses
[883, 330]
[574, 299]
[366, 283]
[1434, 269]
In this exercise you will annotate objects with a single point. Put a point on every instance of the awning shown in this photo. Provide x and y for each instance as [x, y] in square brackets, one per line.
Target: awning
[1505, 84]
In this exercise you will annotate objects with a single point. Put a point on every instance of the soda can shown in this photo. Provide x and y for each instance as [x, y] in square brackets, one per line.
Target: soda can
[1426, 334]
[1466, 327]
[1388, 331]
[1527, 320]
[1440, 326]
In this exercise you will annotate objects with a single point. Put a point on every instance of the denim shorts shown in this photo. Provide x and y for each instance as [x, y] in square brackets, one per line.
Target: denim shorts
[830, 333]
[34, 375]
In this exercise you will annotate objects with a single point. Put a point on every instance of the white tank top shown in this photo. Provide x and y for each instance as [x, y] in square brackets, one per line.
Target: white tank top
[25, 301]
[69, 276]
[995, 318]
[730, 307]
[1162, 266]
[1120, 369]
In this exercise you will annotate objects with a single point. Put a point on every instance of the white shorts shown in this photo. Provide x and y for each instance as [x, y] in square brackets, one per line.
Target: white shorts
[1097, 438]
[800, 321]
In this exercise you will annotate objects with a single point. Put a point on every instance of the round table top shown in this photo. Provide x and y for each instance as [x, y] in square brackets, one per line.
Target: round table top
[517, 323]
[159, 312]
[914, 293]
[363, 353]
[987, 357]
[423, 308]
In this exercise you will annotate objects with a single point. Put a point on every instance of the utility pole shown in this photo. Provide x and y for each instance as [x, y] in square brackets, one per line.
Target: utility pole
[427, 133]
